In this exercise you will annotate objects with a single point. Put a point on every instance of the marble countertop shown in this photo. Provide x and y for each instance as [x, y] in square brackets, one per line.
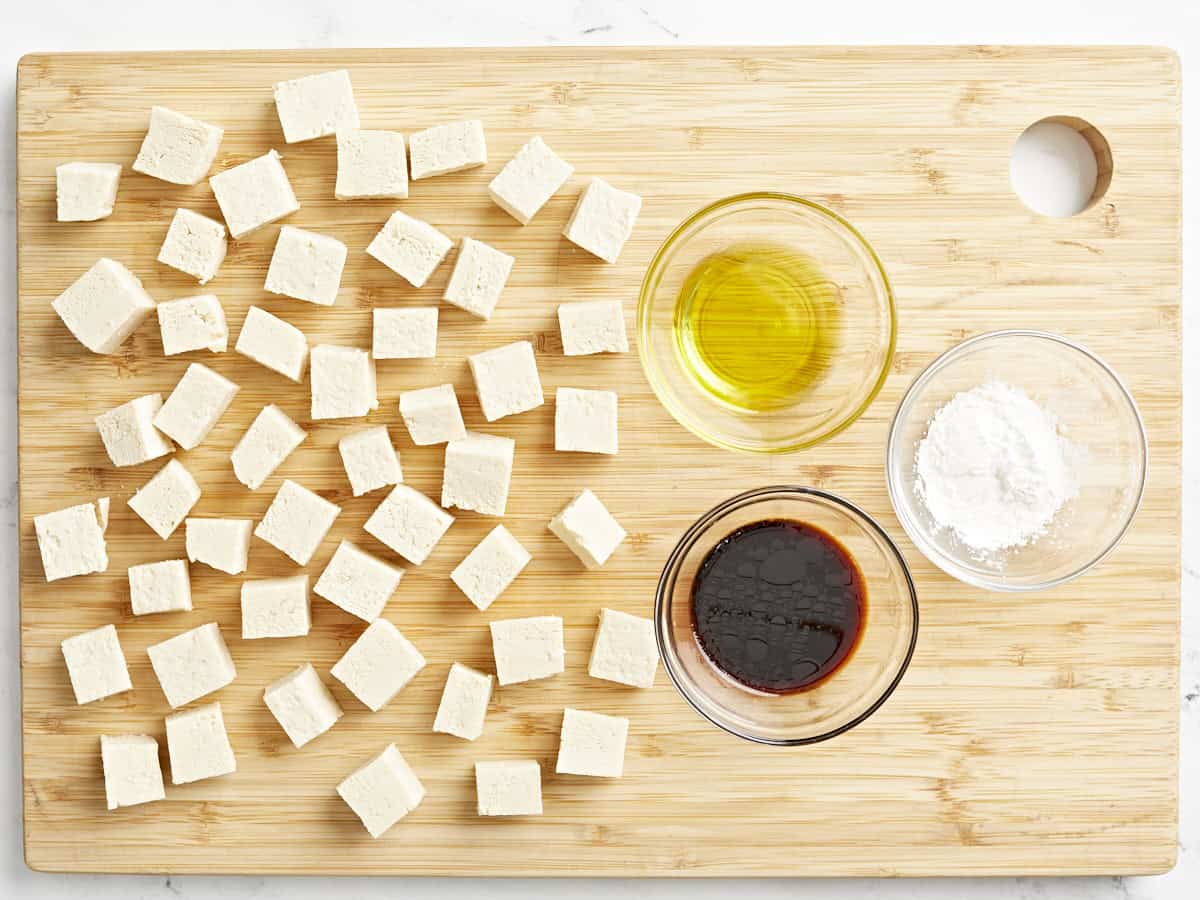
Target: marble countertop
[49, 25]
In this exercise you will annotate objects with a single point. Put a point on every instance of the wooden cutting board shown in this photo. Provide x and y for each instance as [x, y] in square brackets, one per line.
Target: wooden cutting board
[1032, 734]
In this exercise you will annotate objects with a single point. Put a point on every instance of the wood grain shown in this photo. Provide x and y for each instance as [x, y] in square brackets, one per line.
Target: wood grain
[1032, 734]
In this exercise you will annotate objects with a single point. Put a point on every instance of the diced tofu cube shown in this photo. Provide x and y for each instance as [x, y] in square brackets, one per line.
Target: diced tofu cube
[275, 608]
[86, 191]
[603, 219]
[592, 326]
[165, 500]
[104, 306]
[96, 664]
[447, 148]
[491, 567]
[506, 380]
[272, 342]
[199, 745]
[530, 179]
[132, 774]
[378, 664]
[254, 194]
[464, 703]
[591, 744]
[193, 408]
[192, 664]
[410, 248]
[383, 791]
[177, 148]
[432, 415]
[223, 544]
[408, 522]
[588, 529]
[193, 323]
[527, 649]
[195, 245]
[129, 434]
[371, 164]
[306, 266]
[585, 421]
[479, 275]
[624, 650]
[315, 106]
[508, 788]
[269, 440]
[477, 474]
[409, 333]
[160, 587]
[302, 705]
[297, 521]
[342, 381]
[370, 460]
[358, 582]
[71, 540]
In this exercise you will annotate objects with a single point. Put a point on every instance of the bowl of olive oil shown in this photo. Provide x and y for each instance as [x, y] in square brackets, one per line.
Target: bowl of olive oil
[766, 323]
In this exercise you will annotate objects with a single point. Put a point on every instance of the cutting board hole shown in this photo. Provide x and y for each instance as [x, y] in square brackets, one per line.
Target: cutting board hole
[1060, 166]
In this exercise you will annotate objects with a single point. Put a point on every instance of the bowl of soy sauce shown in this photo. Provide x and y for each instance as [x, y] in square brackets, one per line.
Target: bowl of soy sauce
[786, 615]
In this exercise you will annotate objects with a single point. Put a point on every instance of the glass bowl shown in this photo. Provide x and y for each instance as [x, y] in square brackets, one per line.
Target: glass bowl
[865, 339]
[854, 690]
[1095, 412]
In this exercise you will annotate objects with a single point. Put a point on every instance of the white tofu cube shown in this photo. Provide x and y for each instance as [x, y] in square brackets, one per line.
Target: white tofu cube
[585, 421]
[306, 266]
[104, 306]
[86, 192]
[529, 180]
[592, 326]
[193, 408]
[223, 544]
[128, 432]
[409, 333]
[342, 380]
[447, 148]
[275, 608]
[254, 194]
[527, 649]
[195, 245]
[96, 664]
[506, 380]
[297, 521]
[378, 664]
[272, 342]
[71, 540]
[591, 744]
[193, 323]
[199, 745]
[432, 415]
[269, 440]
[508, 788]
[315, 106]
[370, 460]
[160, 587]
[588, 529]
[603, 219]
[192, 664]
[624, 650]
[477, 473]
[132, 774]
[371, 164]
[479, 275]
[177, 148]
[464, 703]
[358, 582]
[383, 791]
[408, 522]
[302, 705]
[410, 248]
[491, 567]
[165, 500]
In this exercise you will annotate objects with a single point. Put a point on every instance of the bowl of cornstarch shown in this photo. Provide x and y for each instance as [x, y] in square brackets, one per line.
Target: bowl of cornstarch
[1017, 460]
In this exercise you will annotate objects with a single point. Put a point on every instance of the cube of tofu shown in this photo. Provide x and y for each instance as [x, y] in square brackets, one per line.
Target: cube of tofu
[315, 106]
[464, 703]
[223, 544]
[529, 180]
[432, 415]
[177, 148]
[491, 567]
[408, 522]
[104, 306]
[254, 194]
[269, 440]
[527, 649]
[370, 460]
[378, 664]
[588, 529]
[479, 275]
[591, 744]
[96, 664]
[302, 705]
[382, 792]
[508, 788]
[306, 266]
[165, 500]
[477, 473]
[585, 421]
[195, 245]
[193, 323]
[371, 164]
[410, 248]
[199, 745]
[132, 774]
[603, 219]
[275, 608]
[128, 432]
[192, 664]
[447, 148]
[160, 587]
[358, 582]
[85, 191]
[297, 521]
[342, 381]
[71, 540]
[624, 650]
[195, 406]
[506, 380]
[272, 342]
[409, 333]
[592, 326]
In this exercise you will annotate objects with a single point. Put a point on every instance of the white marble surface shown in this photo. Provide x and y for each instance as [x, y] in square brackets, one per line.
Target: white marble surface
[138, 24]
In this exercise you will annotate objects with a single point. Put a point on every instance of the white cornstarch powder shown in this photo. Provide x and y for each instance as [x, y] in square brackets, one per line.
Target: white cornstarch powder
[993, 468]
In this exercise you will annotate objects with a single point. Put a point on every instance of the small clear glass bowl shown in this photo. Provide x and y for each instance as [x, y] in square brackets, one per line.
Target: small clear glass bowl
[867, 314]
[848, 696]
[1095, 411]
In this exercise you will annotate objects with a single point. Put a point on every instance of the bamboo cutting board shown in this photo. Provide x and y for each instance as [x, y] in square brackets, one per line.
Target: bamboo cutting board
[1032, 734]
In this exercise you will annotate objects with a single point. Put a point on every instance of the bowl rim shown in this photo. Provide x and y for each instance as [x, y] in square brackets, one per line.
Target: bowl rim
[917, 535]
[643, 327]
[670, 574]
